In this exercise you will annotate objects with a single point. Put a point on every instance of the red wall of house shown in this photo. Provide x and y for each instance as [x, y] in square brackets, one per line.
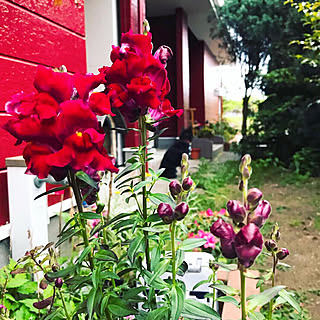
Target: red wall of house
[196, 77]
[32, 33]
[163, 33]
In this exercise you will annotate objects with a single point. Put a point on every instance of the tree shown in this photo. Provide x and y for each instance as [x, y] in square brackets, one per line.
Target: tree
[246, 27]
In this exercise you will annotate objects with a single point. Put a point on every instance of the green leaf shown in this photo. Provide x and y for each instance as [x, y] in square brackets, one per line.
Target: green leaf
[90, 215]
[90, 302]
[198, 309]
[67, 235]
[140, 185]
[51, 191]
[289, 297]
[83, 255]
[177, 301]
[191, 243]
[87, 179]
[179, 258]
[255, 315]
[17, 281]
[62, 273]
[158, 314]
[120, 308]
[160, 270]
[127, 170]
[225, 289]
[226, 266]
[228, 299]
[263, 297]
[158, 198]
[155, 258]
[132, 293]
[29, 287]
[106, 255]
[135, 247]
[109, 275]
[200, 283]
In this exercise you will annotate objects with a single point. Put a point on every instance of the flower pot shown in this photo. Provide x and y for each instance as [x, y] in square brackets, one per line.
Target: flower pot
[195, 153]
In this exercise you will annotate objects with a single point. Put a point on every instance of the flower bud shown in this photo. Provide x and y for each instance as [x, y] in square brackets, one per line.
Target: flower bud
[165, 212]
[181, 211]
[248, 244]
[245, 160]
[260, 214]
[48, 278]
[43, 284]
[271, 245]
[236, 211]
[212, 265]
[187, 184]
[58, 283]
[241, 185]
[254, 196]
[175, 188]
[277, 235]
[282, 253]
[246, 173]
[225, 232]
[44, 303]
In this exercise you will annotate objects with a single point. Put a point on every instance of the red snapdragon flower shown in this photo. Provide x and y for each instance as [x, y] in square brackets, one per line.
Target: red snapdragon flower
[137, 80]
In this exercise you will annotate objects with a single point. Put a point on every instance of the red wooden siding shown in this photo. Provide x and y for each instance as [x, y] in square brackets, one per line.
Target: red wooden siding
[67, 14]
[28, 37]
[34, 32]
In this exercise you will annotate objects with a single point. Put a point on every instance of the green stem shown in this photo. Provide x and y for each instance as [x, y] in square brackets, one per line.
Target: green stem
[64, 305]
[143, 138]
[243, 292]
[272, 283]
[77, 195]
[213, 289]
[245, 190]
[173, 251]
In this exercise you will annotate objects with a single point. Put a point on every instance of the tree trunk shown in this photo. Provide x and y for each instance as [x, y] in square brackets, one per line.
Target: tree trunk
[245, 111]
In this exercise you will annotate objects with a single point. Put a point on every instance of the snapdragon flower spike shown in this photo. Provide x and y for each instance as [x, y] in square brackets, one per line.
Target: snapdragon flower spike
[236, 211]
[282, 253]
[181, 211]
[187, 184]
[253, 197]
[175, 188]
[260, 214]
[225, 232]
[248, 244]
[165, 212]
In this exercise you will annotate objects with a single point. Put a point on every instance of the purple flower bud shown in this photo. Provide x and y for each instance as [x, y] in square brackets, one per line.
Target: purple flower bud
[187, 184]
[241, 185]
[270, 245]
[225, 232]
[282, 253]
[43, 284]
[236, 211]
[163, 54]
[248, 244]
[165, 212]
[260, 214]
[48, 278]
[175, 188]
[43, 304]
[246, 172]
[245, 160]
[58, 283]
[181, 211]
[254, 196]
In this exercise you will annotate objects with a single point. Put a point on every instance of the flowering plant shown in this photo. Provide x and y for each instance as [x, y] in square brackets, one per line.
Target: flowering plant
[123, 262]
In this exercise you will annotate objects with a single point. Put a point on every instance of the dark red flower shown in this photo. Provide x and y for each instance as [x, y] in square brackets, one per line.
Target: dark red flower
[58, 84]
[99, 103]
[260, 214]
[248, 244]
[165, 212]
[86, 83]
[236, 211]
[225, 232]
[83, 150]
[74, 116]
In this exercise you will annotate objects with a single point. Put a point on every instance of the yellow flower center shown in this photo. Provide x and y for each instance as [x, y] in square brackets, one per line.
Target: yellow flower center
[79, 134]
